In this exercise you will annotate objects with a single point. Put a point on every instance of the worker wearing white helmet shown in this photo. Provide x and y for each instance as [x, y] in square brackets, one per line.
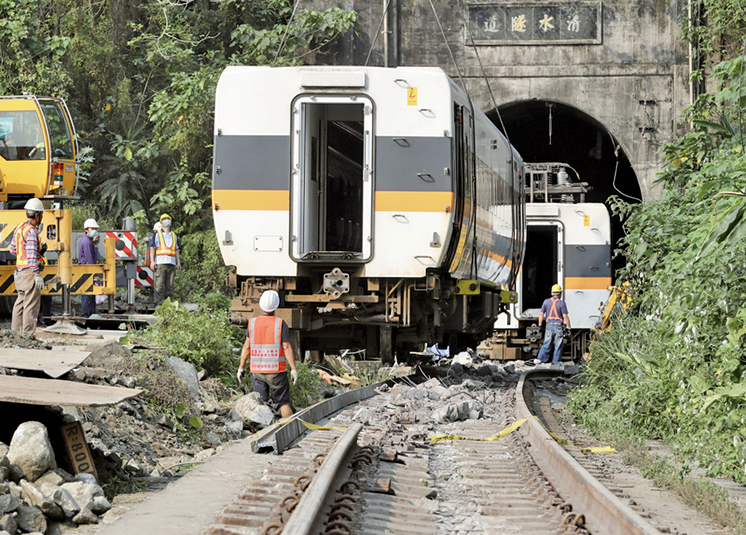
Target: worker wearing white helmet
[554, 310]
[88, 254]
[28, 250]
[268, 346]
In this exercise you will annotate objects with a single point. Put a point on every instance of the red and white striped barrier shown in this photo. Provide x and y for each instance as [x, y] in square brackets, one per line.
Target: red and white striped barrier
[144, 277]
[126, 245]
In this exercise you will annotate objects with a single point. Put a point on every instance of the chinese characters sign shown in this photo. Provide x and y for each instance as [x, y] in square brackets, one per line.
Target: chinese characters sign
[511, 24]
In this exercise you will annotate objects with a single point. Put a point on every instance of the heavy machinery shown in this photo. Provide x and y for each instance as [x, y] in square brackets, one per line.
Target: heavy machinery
[38, 158]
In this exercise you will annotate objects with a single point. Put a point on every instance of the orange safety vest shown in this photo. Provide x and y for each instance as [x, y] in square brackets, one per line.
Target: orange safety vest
[267, 353]
[554, 315]
[164, 249]
[21, 233]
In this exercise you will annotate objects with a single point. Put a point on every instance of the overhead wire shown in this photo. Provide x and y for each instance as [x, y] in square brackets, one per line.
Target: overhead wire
[285, 35]
[514, 204]
[378, 31]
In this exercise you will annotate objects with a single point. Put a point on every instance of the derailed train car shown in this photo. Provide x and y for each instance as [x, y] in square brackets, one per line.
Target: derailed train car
[382, 205]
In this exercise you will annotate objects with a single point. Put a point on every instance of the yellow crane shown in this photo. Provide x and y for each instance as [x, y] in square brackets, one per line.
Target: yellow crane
[38, 158]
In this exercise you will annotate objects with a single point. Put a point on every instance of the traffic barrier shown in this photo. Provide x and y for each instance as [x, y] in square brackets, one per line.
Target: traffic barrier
[126, 243]
[144, 278]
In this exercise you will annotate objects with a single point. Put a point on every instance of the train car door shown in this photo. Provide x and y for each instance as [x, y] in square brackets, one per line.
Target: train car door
[332, 178]
[542, 265]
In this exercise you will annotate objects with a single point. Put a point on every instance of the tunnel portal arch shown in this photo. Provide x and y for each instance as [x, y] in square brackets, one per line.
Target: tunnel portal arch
[549, 131]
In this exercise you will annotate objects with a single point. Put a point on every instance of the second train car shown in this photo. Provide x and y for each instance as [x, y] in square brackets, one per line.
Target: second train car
[384, 207]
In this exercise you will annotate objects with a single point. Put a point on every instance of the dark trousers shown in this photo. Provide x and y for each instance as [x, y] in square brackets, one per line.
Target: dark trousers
[88, 305]
[164, 282]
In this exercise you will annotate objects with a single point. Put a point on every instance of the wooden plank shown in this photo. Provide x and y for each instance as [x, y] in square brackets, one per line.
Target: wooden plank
[54, 363]
[16, 389]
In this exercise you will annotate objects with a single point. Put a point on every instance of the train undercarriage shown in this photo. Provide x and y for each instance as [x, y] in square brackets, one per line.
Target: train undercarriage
[388, 318]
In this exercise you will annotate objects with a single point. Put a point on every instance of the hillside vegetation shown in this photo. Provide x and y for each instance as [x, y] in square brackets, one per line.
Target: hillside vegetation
[673, 366]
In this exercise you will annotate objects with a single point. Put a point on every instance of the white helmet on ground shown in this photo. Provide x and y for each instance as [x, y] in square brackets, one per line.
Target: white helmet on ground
[90, 223]
[34, 205]
[269, 301]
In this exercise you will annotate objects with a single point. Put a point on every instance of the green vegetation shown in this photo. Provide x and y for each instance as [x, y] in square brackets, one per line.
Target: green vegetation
[674, 366]
[201, 336]
[139, 77]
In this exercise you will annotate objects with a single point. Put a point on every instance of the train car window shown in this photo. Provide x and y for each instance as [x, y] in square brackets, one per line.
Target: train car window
[332, 180]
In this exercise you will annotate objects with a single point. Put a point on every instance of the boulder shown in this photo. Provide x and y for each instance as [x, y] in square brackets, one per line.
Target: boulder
[31, 451]
[8, 524]
[36, 498]
[252, 409]
[106, 355]
[85, 516]
[100, 505]
[188, 373]
[30, 519]
[56, 476]
[61, 497]
[8, 504]
[83, 493]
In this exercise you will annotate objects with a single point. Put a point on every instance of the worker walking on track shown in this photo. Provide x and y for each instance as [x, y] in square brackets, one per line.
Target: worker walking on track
[164, 260]
[554, 310]
[88, 254]
[268, 345]
[27, 248]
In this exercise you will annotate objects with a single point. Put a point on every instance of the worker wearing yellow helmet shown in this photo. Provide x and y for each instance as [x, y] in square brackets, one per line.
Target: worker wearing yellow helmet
[554, 311]
[164, 260]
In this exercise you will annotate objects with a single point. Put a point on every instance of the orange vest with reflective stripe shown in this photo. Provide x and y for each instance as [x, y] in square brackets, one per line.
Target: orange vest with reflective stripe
[20, 239]
[267, 353]
[554, 315]
[164, 249]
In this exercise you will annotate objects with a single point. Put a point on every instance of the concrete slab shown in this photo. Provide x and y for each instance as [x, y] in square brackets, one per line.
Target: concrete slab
[33, 391]
[54, 363]
[191, 504]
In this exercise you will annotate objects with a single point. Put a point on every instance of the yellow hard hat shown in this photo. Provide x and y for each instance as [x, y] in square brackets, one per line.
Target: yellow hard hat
[165, 216]
[556, 289]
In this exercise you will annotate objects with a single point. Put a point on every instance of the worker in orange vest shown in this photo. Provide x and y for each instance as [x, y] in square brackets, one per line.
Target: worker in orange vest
[28, 249]
[268, 346]
[554, 310]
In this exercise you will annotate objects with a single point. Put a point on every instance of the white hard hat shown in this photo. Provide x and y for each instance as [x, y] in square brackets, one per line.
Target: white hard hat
[269, 301]
[158, 226]
[34, 204]
[90, 223]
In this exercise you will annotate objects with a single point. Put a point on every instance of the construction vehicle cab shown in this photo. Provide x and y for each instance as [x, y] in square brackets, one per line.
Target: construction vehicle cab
[38, 159]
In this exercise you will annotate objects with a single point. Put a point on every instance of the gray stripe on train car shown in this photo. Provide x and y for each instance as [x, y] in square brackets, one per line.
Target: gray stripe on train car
[251, 162]
[413, 164]
[587, 261]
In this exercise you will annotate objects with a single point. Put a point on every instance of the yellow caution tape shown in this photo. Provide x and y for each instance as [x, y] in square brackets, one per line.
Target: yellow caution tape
[321, 427]
[435, 439]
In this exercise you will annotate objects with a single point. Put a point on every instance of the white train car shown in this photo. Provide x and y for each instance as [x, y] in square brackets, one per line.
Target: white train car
[385, 208]
[568, 243]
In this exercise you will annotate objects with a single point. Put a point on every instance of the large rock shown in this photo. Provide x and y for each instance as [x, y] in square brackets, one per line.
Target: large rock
[8, 504]
[252, 409]
[30, 519]
[105, 356]
[36, 498]
[61, 497]
[188, 374]
[83, 493]
[8, 523]
[31, 451]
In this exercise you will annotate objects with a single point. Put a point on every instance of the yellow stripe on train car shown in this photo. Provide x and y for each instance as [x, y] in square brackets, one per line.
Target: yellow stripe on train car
[250, 199]
[587, 283]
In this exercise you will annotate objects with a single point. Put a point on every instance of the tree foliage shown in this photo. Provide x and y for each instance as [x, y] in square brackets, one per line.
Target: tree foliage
[674, 367]
[140, 77]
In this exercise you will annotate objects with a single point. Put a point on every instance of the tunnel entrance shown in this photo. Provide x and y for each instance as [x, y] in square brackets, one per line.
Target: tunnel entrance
[545, 131]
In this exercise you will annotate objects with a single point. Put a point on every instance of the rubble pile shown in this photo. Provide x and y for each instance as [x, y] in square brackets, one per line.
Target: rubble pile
[38, 497]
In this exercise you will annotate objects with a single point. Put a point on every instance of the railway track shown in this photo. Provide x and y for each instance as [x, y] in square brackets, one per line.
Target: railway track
[383, 466]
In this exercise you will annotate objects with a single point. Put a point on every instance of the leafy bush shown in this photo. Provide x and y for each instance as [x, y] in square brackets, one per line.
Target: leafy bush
[204, 271]
[203, 336]
[674, 367]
